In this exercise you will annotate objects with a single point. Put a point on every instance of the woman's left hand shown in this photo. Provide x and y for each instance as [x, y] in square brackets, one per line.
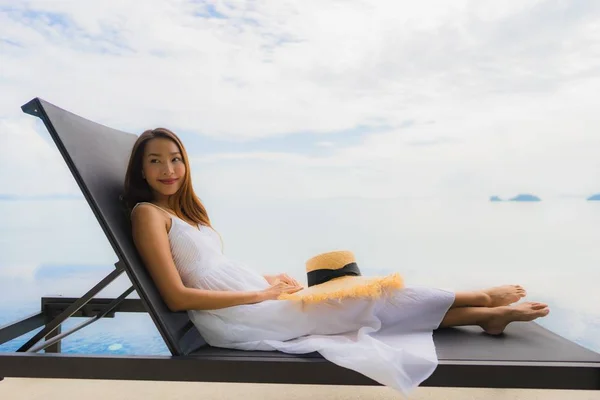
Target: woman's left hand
[285, 278]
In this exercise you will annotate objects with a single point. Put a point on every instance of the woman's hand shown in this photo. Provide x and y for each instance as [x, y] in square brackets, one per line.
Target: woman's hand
[285, 278]
[279, 288]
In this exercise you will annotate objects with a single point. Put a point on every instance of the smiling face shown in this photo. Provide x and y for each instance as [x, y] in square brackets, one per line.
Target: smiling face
[163, 167]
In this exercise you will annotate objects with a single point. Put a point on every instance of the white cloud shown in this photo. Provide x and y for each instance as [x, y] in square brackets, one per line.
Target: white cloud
[325, 144]
[535, 150]
[28, 163]
[503, 95]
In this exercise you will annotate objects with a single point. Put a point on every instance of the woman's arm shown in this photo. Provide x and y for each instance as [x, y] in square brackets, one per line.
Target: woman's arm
[150, 237]
[198, 299]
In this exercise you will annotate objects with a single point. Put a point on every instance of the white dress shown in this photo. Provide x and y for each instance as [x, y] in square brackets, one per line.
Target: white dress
[388, 339]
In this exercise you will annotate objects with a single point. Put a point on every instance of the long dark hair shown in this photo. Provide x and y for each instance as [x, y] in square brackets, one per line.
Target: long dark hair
[184, 202]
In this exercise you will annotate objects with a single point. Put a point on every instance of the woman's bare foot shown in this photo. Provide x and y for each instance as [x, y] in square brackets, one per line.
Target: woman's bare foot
[504, 315]
[504, 295]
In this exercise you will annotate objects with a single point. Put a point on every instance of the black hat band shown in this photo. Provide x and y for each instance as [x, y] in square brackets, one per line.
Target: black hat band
[319, 276]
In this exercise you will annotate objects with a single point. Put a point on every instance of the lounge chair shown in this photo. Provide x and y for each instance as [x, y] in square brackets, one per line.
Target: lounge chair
[526, 356]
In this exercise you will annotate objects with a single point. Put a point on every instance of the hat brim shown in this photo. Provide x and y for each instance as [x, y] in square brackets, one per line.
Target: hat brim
[347, 287]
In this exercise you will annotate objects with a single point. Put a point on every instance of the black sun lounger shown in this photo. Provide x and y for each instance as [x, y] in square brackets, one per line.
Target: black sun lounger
[526, 356]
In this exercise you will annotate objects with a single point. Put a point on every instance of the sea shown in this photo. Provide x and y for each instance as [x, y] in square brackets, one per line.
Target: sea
[51, 247]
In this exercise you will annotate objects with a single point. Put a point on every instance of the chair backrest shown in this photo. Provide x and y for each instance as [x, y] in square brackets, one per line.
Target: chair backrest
[97, 156]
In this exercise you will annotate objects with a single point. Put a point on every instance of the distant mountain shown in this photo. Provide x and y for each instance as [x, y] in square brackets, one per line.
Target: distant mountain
[595, 197]
[525, 197]
[519, 197]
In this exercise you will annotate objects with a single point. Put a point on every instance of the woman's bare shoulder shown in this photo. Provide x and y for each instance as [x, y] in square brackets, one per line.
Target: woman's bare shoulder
[146, 215]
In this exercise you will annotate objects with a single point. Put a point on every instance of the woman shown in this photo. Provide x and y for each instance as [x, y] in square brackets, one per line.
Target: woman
[388, 339]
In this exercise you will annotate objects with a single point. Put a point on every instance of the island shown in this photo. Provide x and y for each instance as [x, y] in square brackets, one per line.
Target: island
[525, 197]
[519, 197]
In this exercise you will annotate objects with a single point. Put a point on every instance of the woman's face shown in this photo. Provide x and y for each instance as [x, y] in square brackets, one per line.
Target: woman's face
[163, 166]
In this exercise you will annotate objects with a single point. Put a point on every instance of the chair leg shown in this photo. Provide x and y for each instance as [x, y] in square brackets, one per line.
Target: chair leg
[69, 311]
[56, 347]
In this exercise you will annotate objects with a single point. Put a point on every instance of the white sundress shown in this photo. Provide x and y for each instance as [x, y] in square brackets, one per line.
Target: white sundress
[388, 339]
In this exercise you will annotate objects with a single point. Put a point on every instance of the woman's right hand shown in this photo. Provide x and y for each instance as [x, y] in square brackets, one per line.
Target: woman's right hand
[279, 288]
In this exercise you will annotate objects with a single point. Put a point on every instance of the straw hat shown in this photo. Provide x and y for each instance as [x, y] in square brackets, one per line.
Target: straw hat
[335, 275]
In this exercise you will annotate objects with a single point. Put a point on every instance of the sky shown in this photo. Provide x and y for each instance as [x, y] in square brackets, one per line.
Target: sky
[317, 99]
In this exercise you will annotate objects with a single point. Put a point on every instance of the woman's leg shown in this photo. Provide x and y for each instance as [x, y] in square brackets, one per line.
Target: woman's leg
[471, 299]
[494, 320]
[492, 297]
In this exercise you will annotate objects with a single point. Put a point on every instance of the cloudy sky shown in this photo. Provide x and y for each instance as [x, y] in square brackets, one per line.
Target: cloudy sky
[317, 99]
